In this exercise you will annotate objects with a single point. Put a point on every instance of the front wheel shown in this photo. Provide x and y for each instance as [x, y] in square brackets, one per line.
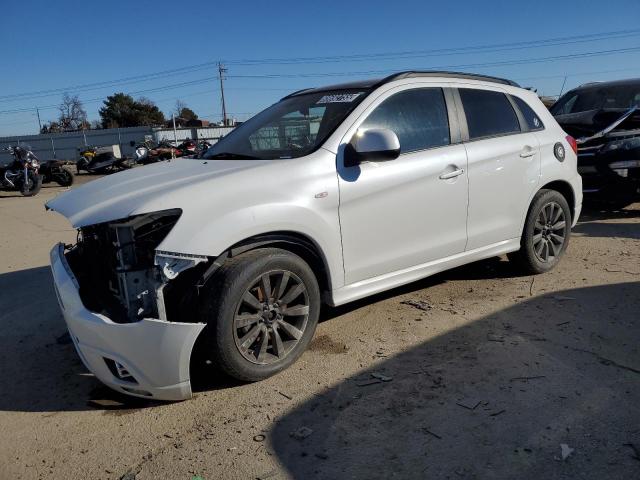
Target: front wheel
[546, 233]
[33, 185]
[261, 311]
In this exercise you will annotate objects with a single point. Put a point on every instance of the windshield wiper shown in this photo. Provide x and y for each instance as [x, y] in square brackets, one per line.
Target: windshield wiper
[232, 156]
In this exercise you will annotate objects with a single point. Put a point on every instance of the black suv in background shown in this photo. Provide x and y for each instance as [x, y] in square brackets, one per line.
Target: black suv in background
[604, 118]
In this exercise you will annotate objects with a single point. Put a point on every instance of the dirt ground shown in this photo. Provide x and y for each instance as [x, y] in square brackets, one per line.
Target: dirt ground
[488, 381]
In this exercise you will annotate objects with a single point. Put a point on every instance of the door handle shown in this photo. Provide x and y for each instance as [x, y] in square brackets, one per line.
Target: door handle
[527, 152]
[448, 175]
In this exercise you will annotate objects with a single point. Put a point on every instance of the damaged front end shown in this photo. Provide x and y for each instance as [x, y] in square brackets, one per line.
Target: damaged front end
[609, 159]
[129, 307]
[121, 275]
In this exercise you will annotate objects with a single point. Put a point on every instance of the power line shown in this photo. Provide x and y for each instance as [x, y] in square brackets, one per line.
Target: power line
[330, 59]
[443, 51]
[353, 73]
[444, 67]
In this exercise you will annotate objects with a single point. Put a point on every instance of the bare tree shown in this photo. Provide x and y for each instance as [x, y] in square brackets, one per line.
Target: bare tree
[180, 105]
[73, 116]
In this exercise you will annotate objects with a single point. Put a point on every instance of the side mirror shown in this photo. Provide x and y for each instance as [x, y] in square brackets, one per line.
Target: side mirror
[373, 145]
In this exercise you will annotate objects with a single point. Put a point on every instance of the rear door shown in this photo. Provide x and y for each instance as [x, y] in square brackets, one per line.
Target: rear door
[504, 165]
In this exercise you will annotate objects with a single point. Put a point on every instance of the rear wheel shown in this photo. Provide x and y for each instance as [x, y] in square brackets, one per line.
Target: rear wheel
[546, 233]
[261, 311]
[64, 177]
[81, 164]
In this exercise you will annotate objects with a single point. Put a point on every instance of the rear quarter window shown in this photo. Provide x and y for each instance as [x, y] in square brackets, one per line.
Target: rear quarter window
[488, 113]
[532, 119]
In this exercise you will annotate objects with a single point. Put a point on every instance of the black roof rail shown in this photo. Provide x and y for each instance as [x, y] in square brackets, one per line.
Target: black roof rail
[436, 73]
[375, 83]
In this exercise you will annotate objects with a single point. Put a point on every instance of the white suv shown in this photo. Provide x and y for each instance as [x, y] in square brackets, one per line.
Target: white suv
[330, 195]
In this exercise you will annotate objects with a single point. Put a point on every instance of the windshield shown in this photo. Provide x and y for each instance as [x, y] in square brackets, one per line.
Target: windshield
[293, 127]
[622, 97]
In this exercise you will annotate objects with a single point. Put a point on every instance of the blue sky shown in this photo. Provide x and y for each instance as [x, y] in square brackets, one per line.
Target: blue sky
[63, 44]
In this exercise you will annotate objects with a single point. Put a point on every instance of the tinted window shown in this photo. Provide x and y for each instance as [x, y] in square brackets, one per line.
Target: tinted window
[488, 113]
[532, 119]
[620, 97]
[418, 117]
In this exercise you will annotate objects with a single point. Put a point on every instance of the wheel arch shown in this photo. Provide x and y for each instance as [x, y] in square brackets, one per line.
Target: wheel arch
[295, 242]
[561, 186]
[566, 190]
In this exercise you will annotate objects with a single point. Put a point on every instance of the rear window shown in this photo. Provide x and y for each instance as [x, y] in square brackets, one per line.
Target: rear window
[532, 119]
[488, 113]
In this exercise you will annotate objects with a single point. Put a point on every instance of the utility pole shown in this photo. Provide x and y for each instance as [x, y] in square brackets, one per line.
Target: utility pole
[221, 71]
[39, 122]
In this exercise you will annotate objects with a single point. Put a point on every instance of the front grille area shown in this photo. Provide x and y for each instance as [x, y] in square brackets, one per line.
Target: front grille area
[114, 265]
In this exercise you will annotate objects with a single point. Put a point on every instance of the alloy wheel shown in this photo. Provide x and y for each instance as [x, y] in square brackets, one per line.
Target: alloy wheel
[271, 317]
[549, 232]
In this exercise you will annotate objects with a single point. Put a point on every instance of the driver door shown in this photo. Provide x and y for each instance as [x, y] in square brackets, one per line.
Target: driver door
[399, 214]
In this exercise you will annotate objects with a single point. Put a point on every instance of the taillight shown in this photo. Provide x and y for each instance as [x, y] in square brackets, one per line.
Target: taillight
[573, 143]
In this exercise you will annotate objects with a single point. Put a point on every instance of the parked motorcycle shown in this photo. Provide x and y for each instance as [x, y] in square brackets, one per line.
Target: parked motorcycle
[203, 146]
[22, 173]
[146, 153]
[55, 171]
[101, 160]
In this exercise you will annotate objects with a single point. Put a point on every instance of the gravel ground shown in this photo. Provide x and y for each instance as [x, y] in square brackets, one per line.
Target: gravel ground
[487, 379]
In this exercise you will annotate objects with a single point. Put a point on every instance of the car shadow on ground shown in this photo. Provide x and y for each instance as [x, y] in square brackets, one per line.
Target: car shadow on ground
[41, 371]
[486, 400]
[598, 223]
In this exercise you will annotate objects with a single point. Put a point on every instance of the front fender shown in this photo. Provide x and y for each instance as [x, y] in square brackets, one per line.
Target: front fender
[211, 237]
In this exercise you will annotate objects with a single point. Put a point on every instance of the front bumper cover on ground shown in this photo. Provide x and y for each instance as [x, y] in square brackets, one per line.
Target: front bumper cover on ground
[154, 353]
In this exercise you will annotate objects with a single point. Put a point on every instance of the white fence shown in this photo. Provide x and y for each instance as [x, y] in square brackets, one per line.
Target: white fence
[66, 146]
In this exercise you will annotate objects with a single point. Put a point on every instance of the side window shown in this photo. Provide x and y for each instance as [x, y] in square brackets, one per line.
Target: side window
[418, 117]
[488, 113]
[532, 119]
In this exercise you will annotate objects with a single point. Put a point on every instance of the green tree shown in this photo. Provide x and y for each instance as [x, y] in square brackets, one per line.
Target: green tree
[185, 112]
[188, 114]
[121, 110]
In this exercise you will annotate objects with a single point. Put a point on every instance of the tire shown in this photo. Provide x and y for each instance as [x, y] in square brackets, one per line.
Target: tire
[542, 248]
[34, 185]
[64, 178]
[81, 164]
[225, 309]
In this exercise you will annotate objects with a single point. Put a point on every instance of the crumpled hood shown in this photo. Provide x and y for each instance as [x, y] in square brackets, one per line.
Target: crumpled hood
[146, 189]
[585, 124]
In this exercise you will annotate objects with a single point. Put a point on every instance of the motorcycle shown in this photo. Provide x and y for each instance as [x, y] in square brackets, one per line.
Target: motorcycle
[55, 171]
[101, 160]
[22, 173]
[145, 153]
[203, 146]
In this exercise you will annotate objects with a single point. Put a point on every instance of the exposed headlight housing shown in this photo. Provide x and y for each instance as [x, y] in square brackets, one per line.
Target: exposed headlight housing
[624, 144]
[623, 164]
